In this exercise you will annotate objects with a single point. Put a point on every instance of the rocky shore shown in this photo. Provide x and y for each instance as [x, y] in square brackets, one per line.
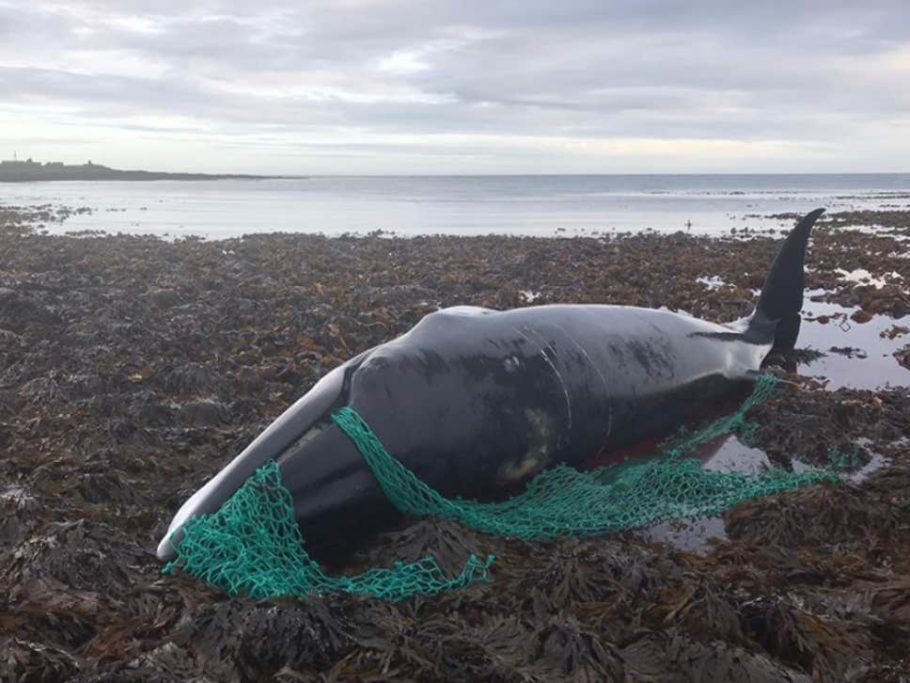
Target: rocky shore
[132, 369]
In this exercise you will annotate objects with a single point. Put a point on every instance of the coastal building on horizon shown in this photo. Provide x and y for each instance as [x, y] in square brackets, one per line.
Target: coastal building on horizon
[16, 171]
[30, 163]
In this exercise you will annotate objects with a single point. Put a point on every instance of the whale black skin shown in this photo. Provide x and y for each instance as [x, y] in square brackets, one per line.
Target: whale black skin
[476, 402]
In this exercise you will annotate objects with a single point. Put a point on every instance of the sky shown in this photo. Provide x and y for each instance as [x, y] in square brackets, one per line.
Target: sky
[465, 86]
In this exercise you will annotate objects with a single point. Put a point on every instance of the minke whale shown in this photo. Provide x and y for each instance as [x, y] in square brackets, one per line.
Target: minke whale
[476, 402]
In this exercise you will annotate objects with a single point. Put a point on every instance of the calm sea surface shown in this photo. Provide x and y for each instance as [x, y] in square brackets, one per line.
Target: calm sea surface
[465, 205]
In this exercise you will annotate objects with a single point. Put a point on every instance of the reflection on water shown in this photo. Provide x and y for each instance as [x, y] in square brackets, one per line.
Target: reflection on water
[689, 535]
[876, 462]
[853, 354]
[732, 455]
[725, 454]
[864, 358]
[728, 454]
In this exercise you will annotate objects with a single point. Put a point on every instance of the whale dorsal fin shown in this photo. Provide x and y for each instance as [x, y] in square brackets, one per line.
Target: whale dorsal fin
[777, 315]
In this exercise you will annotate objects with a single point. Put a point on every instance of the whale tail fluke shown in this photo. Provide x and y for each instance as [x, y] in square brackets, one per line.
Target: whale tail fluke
[782, 294]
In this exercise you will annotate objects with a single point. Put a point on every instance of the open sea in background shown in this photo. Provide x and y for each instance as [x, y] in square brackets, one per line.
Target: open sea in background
[542, 205]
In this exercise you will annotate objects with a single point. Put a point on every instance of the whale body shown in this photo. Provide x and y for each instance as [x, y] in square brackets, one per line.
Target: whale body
[476, 402]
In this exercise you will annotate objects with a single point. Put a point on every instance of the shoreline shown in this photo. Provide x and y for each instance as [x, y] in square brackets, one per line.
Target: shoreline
[886, 220]
[549, 206]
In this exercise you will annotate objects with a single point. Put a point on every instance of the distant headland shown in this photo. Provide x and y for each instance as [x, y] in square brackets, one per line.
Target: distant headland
[16, 171]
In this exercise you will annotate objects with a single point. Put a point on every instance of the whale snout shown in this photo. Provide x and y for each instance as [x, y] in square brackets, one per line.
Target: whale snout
[283, 435]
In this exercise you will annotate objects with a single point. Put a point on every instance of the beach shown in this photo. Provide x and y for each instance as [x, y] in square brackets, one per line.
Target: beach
[132, 368]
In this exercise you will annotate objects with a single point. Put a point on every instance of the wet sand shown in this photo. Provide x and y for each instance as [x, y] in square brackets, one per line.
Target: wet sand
[131, 369]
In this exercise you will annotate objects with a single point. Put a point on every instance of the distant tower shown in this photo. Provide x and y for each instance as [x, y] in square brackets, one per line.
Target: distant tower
[15, 155]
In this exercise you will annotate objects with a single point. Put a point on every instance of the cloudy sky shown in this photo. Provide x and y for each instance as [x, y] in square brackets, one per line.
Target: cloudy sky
[464, 86]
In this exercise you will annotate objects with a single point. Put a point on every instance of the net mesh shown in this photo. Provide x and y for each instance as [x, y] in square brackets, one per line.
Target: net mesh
[253, 544]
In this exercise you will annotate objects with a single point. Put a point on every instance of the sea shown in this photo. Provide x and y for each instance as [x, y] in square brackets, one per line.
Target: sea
[539, 205]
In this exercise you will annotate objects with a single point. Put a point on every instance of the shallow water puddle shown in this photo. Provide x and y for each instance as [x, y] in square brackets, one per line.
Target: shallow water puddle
[689, 535]
[732, 455]
[729, 454]
[713, 282]
[864, 277]
[876, 462]
[864, 355]
[726, 454]
[856, 355]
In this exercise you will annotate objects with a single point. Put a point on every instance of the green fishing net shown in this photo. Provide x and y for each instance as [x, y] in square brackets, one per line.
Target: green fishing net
[253, 544]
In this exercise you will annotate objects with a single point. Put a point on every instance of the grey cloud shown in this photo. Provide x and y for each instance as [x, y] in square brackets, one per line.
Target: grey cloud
[740, 71]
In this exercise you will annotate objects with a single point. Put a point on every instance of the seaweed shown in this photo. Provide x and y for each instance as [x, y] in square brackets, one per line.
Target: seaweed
[132, 369]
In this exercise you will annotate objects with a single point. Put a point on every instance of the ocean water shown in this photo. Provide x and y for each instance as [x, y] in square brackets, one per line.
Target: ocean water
[465, 205]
